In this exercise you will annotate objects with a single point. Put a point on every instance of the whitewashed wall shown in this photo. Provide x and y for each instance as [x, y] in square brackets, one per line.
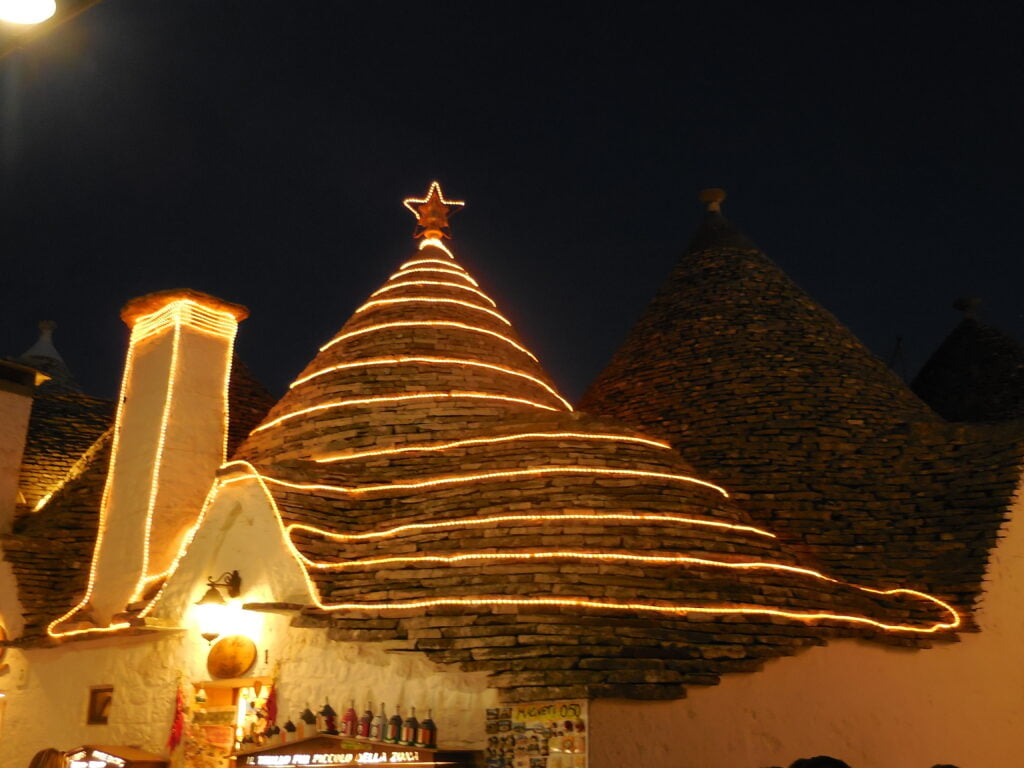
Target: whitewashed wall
[872, 706]
[47, 689]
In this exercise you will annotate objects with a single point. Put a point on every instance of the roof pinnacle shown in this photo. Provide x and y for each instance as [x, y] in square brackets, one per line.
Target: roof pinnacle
[968, 305]
[432, 212]
[712, 198]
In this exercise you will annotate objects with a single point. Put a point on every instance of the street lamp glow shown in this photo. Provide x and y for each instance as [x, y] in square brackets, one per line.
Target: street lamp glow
[27, 11]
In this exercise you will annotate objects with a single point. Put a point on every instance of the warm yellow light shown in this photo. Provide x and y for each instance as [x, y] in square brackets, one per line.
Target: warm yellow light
[442, 283]
[432, 300]
[433, 242]
[426, 324]
[508, 474]
[446, 270]
[420, 447]
[442, 262]
[640, 607]
[432, 361]
[601, 517]
[172, 317]
[27, 11]
[398, 399]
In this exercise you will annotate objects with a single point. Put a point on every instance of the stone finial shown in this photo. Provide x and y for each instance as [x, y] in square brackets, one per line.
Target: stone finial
[712, 198]
[47, 326]
[968, 305]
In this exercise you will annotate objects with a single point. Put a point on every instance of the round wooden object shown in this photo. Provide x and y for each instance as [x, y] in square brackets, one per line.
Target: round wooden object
[231, 657]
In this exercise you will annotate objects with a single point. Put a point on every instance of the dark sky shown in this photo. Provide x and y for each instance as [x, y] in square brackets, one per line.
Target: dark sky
[260, 150]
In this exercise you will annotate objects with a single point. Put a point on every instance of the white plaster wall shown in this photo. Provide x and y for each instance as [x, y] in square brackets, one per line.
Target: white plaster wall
[47, 689]
[872, 706]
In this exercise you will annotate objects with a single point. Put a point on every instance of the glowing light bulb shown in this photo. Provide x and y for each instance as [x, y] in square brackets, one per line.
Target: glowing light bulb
[27, 11]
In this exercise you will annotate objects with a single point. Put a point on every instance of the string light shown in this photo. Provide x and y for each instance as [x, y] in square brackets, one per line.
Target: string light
[497, 475]
[434, 242]
[661, 608]
[569, 555]
[154, 482]
[445, 270]
[431, 361]
[433, 190]
[174, 316]
[603, 517]
[641, 607]
[419, 447]
[426, 324]
[188, 312]
[73, 472]
[393, 286]
[104, 500]
[397, 399]
[443, 262]
[186, 542]
[431, 300]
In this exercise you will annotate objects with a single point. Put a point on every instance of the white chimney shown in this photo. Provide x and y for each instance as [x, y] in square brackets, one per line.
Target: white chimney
[169, 439]
[17, 383]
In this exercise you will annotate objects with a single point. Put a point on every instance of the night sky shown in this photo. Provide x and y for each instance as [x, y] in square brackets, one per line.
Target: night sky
[260, 151]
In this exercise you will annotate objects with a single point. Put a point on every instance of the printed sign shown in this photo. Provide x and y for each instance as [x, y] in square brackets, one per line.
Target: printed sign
[540, 734]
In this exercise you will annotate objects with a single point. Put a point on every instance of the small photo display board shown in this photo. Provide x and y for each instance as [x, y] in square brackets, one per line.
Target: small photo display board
[540, 734]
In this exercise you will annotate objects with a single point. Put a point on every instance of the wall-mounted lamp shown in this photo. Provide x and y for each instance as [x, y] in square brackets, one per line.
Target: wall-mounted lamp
[212, 604]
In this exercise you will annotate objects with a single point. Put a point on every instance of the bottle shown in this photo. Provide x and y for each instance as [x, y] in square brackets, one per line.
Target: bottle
[363, 729]
[350, 720]
[327, 720]
[409, 729]
[426, 736]
[379, 725]
[393, 732]
[289, 732]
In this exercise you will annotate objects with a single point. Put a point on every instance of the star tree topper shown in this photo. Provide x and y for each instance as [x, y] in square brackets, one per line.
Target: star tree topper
[432, 212]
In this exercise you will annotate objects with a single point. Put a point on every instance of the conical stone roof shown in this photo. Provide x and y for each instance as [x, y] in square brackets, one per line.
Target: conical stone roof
[976, 375]
[765, 392]
[438, 489]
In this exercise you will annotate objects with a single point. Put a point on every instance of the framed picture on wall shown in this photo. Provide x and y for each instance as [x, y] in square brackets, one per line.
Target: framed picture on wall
[100, 699]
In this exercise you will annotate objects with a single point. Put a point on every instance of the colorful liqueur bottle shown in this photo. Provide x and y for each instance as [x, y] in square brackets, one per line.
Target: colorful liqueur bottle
[307, 722]
[328, 719]
[379, 725]
[426, 736]
[409, 729]
[363, 729]
[350, 720]
[393, 731]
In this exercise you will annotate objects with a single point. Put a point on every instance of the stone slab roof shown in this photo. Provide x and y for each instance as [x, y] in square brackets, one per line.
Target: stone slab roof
[976, 375]
[440, 492]
[763, 390]
[62, 426]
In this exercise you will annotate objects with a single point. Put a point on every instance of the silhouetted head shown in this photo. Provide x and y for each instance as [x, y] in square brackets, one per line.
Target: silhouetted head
[821, 761]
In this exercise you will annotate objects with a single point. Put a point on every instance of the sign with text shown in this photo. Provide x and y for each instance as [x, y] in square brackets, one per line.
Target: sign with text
[539, 734]
[330, 751]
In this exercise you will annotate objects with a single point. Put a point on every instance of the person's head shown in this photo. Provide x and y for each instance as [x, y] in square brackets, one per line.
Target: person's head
[821, 761]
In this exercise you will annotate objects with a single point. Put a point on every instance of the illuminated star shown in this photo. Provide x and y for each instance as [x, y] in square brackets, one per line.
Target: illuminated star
[432, 212]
